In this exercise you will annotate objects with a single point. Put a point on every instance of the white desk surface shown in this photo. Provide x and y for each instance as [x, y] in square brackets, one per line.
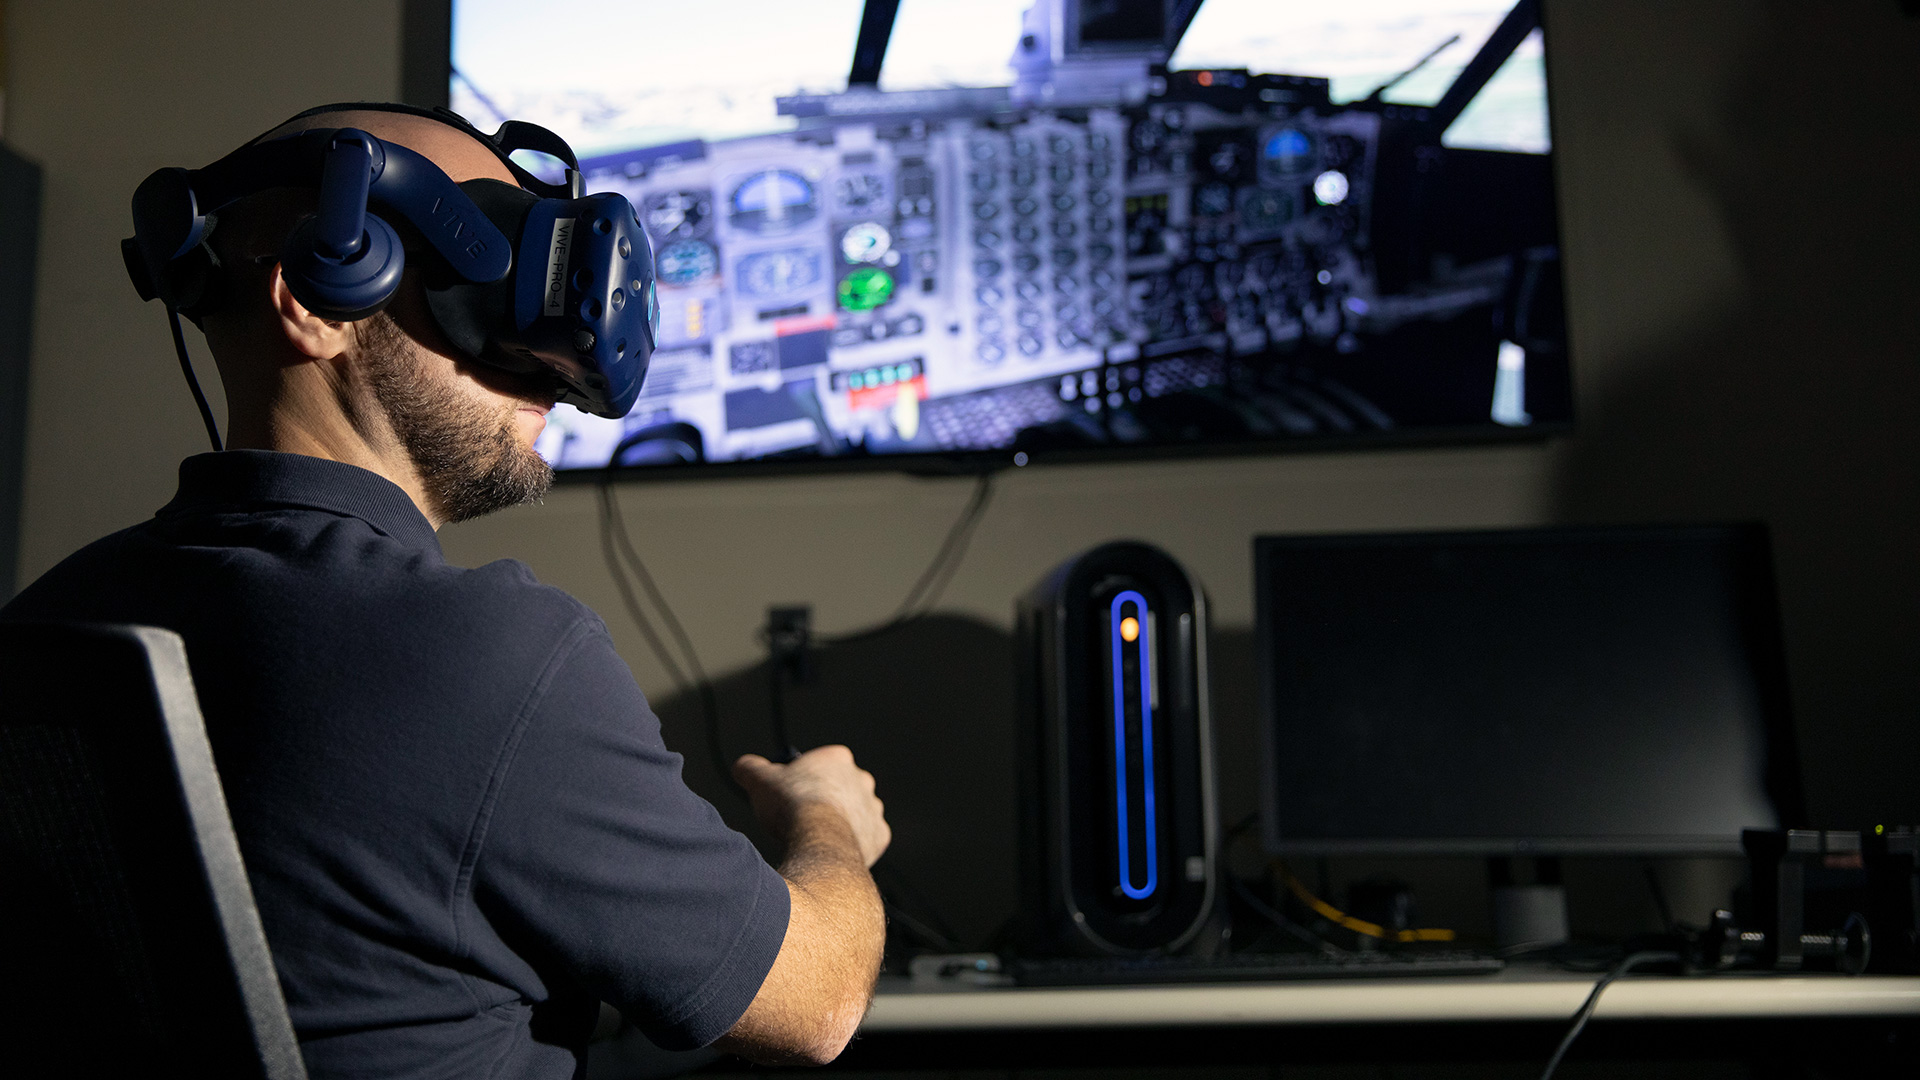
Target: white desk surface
[901, 1006]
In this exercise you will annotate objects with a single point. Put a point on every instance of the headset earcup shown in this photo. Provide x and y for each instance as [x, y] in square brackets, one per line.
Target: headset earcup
[194, 284]
[349, 289]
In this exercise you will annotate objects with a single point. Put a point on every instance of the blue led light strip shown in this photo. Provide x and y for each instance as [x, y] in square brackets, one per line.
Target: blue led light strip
[1146, 748]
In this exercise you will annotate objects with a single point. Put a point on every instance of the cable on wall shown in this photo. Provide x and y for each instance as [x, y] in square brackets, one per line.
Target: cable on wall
[617, 546]
[933, 581]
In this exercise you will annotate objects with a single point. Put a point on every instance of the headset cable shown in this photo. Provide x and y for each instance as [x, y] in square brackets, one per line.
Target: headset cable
[193, 383]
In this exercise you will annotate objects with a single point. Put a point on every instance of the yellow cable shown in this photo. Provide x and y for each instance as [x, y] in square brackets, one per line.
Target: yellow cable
[1359, 926]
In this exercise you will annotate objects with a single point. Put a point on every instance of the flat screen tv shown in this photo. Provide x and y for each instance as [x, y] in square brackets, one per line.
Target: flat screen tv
[999, 233]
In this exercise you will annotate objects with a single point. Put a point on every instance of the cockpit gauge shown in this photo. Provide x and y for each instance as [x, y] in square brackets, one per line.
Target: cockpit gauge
[1227, 160]
[1148, 137]
[866, 242]
[865, 289]
[687, 262]
[1214, 199]
[774, 201]
[768, 274]
[1285, 151]
[860, 193]
[678, 215]
[1264, 212]
[1330, 188]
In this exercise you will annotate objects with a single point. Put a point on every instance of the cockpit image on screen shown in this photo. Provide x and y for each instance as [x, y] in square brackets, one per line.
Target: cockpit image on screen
[1105, 251]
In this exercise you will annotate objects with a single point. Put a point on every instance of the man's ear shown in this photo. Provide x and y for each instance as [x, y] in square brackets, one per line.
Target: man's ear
[309, 334]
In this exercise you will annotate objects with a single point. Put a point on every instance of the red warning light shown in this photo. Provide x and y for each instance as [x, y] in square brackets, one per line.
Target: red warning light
[1205, 78]
[879, 397]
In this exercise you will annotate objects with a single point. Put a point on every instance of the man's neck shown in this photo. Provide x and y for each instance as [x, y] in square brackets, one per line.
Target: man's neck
[283, 429]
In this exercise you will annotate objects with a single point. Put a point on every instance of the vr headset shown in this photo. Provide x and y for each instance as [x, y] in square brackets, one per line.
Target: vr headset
[538, 279]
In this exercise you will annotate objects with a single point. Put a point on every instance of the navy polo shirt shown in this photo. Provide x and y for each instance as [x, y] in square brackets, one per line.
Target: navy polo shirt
[460, 822]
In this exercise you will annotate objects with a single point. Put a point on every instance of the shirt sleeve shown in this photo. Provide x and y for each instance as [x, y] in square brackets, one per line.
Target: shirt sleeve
[599, 862]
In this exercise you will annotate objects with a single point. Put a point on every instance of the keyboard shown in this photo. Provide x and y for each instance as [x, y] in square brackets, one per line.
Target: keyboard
[1248, 967]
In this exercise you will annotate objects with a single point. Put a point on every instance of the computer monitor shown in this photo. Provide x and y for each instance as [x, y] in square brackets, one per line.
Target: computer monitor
[1532, 692]
[1089, 230]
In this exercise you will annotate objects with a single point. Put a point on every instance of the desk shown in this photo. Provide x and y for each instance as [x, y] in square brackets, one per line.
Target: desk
[1517, 994]
[1719, 1025]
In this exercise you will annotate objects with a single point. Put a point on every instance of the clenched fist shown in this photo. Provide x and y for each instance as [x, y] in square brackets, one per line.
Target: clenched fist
[823, 776]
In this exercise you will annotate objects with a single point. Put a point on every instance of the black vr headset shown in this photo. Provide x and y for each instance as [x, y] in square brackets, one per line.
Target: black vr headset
[537, 279]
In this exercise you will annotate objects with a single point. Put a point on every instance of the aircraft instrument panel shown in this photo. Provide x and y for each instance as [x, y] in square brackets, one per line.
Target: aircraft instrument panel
[1233, 259]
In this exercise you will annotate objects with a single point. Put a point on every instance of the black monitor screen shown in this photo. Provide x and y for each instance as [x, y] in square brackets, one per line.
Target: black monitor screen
[1549, 691]
[1246, 247]
[1125, 21]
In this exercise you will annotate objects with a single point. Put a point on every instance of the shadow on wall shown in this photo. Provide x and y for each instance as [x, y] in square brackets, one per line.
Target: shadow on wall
[1801, 406]
[928, 709]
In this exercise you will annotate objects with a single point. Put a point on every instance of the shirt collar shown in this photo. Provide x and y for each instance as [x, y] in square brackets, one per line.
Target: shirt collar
[256, 479]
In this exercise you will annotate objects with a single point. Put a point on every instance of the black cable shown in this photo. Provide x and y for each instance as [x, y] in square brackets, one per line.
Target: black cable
[927, 934]
[632, 603]
[1272, 914]
[903, 888]
[1580, 1018]
[193, 384]
[1260, 907]
[934, 579]
[777, 709]
[653, 591]
[942, 938]
[919, 600]
[614, 538]
[975, 510]
[1667, 924]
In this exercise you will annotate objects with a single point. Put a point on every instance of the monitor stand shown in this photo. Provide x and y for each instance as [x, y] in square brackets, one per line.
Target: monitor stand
[1529, 903]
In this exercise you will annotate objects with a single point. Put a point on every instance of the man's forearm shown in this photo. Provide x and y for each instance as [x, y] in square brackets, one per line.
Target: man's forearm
[825, 871]
[817, 993]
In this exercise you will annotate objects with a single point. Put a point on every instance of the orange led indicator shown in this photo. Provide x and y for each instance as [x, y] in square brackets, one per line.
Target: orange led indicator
[1129, 629]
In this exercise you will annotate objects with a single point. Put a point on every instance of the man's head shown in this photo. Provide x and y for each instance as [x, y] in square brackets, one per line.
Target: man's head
[388, 392]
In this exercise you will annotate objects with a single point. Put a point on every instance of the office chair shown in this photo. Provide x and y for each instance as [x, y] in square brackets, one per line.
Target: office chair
[129, 940]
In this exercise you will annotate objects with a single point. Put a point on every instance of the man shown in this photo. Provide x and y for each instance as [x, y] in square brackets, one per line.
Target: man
[460, 822]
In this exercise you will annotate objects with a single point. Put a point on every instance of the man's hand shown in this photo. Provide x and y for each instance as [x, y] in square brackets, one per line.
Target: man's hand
[822, 806]
[826, 775]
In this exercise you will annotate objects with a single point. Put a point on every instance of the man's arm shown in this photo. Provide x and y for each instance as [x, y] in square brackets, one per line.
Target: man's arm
[816, 994]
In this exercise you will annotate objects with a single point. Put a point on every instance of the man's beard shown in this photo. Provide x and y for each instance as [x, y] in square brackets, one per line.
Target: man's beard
[469, 458]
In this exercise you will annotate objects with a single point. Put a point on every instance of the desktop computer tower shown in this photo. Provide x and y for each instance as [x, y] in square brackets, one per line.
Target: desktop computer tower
[1117, 824]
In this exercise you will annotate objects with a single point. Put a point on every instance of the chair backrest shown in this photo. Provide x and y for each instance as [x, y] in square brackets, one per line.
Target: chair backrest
[129, 940]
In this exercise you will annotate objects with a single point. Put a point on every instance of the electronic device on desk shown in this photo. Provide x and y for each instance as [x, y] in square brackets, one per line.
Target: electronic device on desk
[1110, 255]
[1541, 692]
[1117, 811]
[1822, 900]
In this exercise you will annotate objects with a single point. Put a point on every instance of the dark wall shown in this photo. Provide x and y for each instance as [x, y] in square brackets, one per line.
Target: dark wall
[1797, 402]
[929, 709]
[19, 241]
[426, 43]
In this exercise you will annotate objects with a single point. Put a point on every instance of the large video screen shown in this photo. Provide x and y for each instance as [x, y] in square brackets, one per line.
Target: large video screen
[1064, 233]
